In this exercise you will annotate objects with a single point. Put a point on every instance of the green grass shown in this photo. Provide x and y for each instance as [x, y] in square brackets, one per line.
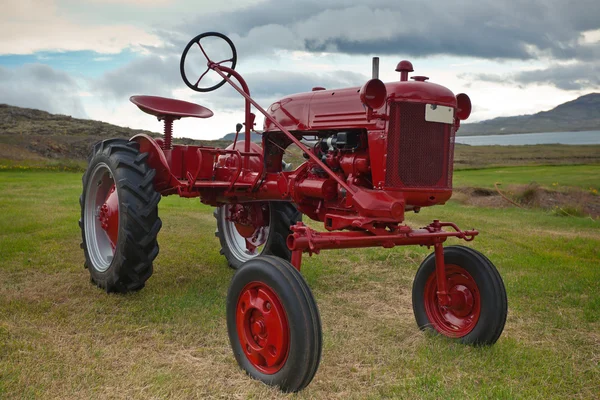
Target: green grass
[552, 176]
[61, 337]
[42, 164]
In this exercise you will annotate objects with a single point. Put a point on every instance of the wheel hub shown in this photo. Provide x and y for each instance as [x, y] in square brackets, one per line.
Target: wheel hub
[251, 221]
[109, 216]
[460, 316]
[258, 328]
[461, 302]
[262, 327]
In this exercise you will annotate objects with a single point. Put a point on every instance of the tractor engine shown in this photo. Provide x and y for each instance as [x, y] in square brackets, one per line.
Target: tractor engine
[396, 138]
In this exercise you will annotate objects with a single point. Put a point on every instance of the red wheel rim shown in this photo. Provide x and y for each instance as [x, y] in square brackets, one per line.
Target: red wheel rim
[461, 315]
[246, 228]
[109, 216]
[262, 327]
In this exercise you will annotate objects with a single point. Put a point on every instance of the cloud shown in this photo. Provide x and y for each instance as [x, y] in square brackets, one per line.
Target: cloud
[160, 76]
[580, 76]
[28, 26]
[480, 28]
[577, 76]
[41, 87]
[146, 75]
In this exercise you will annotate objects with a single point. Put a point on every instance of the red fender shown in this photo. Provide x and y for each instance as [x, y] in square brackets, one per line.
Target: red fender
[164, 179]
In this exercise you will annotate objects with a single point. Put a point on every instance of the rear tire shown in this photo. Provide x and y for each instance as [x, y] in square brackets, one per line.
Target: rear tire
[119, 257]
[282, 215]
[273, 324]
[478, 320]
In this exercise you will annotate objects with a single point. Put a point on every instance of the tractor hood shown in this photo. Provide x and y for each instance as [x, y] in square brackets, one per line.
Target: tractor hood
[342, 108]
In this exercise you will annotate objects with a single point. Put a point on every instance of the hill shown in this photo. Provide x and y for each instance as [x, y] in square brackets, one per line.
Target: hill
[581, 114]
[28, 134]
[39, 139]
[231, 136]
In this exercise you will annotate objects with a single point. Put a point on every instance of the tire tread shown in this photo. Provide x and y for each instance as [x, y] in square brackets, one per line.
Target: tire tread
[140, 224]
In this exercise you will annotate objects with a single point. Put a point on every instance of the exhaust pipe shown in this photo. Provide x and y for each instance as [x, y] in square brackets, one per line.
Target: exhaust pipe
[375, 68]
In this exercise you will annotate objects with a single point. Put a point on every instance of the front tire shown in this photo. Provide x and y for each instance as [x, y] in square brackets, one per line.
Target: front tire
[242, 242]
[119, 216]
[479, 306]
[273, 323]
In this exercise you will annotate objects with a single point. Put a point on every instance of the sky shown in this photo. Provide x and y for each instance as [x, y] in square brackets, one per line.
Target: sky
[85, 58]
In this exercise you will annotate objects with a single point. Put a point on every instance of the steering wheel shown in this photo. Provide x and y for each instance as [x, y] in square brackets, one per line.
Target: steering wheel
[196, 40]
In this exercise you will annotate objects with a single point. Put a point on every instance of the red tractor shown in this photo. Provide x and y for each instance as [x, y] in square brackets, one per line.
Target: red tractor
[372, 154]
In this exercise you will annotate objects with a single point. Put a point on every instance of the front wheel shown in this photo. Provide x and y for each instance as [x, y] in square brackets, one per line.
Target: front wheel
[478, 308]
[273, 323]
[247, 230]
[119, 216]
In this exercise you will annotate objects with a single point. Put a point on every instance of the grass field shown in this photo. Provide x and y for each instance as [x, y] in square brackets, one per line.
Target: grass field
[552, 176]
[16, 157]
[61, 337]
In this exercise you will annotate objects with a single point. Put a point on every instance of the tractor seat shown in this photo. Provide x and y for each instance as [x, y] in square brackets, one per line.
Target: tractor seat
[163, 107]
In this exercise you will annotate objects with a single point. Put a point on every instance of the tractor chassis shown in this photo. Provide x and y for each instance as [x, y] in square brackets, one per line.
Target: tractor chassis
[272, 318]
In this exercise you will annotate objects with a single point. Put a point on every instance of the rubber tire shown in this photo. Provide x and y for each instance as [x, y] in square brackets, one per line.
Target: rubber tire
[494, 304]
[304, 322]
[139, 224]
[282, 216]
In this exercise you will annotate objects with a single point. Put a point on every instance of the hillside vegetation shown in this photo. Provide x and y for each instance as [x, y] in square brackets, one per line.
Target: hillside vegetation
[34, 138]
[581, 114]
[28, 134]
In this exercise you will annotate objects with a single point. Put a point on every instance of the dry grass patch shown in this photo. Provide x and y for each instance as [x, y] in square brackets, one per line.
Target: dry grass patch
[63, 338]
[569, 202]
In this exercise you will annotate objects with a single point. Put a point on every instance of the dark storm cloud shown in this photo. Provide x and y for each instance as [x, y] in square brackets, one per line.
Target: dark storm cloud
[41, 87]
[578, 76]
[569, 77]
[513, 29]
[581, 76]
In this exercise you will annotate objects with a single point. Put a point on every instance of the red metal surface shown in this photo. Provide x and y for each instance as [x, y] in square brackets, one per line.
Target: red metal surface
[164, 107]
[373, 94]
[463, 106]
[109, 216]
[376, 157]
[461, 313]
[311, 241]
[164, 181]
[318, 188]
[231, 161]
[440, 273]
[404, 67]
[262, 327]
[343, 108]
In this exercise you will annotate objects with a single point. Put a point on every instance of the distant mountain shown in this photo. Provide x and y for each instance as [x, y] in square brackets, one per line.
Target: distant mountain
[581, 114]
[26, 133]
[230, 137]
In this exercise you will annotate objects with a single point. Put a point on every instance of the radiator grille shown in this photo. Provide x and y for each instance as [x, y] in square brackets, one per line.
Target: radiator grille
[420, 154]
